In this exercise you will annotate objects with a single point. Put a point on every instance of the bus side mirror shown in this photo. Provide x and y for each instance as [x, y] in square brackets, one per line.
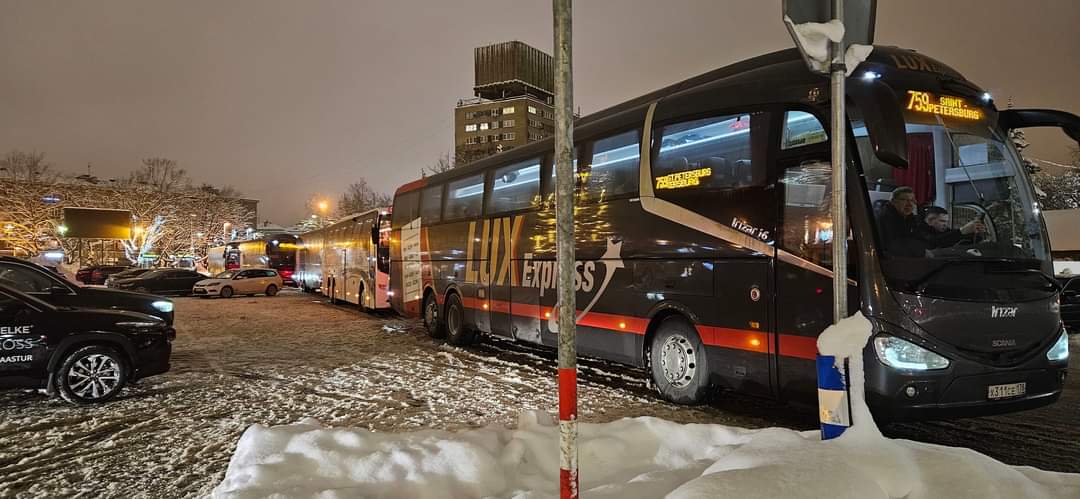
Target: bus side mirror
[880, 110]
[1012, 119]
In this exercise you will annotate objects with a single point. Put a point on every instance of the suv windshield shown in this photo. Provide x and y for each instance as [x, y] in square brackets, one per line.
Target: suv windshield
[962, 219]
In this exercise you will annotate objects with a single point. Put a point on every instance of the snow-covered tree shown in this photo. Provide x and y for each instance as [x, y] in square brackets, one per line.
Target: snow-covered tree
[360, 197]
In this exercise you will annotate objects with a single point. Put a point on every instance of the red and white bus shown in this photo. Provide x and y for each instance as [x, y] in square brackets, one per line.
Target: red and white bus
[349, 260]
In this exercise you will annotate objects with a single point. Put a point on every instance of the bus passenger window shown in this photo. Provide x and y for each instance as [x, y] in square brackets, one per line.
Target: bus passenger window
[801, 129]
[464, 197]
[431, 204]
[710, 153]
[406, 208]
[807, 215]
[613, 169]
[515, 187]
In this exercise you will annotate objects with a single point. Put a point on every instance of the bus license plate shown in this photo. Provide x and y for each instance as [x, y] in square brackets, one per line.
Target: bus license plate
[1006, 391]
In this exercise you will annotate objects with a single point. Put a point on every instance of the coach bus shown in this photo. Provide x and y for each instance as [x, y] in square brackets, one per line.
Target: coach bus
[704, 236]
[349, 260]
[276, 252]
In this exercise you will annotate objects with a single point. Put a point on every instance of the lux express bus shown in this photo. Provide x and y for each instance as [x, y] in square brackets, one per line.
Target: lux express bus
[276, 252]
[349, 260]
[704, 239]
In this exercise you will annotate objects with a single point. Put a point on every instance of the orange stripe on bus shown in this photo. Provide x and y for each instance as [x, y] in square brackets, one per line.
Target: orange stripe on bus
[801, 347]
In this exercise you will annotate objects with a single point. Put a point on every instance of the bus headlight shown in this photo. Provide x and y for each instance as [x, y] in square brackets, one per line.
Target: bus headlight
[1060, 351]
[899, 354]
[162, 306]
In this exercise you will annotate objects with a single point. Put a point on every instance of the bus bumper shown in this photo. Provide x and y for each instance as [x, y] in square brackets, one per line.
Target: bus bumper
[960, 391]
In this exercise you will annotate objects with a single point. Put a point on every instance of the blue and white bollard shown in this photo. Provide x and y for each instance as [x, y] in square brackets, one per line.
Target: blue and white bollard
[834, 406]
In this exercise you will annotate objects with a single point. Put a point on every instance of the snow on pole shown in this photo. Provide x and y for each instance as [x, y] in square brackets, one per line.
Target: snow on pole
[566, 309]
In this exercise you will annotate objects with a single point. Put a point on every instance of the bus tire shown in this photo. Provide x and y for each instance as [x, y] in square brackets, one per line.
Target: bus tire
[433, 322]
[678, 362]
[456, 332]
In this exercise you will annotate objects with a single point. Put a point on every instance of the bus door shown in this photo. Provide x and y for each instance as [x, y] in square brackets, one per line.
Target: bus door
[804, 253]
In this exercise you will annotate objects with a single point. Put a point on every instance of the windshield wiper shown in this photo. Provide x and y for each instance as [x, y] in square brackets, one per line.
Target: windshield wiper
[1054, 284]
[960, 159]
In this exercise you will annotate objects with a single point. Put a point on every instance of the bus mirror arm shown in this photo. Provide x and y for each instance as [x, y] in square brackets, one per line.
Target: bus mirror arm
[1012, 119]
[884, 121]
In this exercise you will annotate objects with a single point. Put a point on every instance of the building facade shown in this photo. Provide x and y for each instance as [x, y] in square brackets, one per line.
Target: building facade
[512, 103]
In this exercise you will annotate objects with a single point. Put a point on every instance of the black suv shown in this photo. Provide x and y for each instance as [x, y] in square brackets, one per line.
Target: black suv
[85, 355]
[38, 282]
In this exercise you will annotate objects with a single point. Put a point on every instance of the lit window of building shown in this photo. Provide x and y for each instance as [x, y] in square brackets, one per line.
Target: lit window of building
[532, 110]
[483, 126]
[508, 110]
[470, 128]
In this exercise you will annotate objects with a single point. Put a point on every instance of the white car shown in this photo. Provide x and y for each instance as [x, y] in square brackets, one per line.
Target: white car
[249, 282]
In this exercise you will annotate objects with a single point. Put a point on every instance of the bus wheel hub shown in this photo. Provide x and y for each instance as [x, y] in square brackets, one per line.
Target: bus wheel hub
[677, 361]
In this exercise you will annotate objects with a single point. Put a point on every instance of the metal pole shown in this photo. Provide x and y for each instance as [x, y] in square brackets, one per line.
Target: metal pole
[564, 242]
[839, 168]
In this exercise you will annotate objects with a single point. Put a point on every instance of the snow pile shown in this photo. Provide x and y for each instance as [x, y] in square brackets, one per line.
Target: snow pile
[642, 458]
[814, 38]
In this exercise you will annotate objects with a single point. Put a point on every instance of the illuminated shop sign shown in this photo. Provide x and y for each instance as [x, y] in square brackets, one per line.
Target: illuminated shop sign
[683, 179]
[943, 105]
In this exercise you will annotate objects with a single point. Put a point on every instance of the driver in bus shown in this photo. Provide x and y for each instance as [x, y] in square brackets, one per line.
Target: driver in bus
[902, 234]
[937, 233]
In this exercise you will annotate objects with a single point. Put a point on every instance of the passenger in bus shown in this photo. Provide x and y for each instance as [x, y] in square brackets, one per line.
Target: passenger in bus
[903, 234]
[898, 225]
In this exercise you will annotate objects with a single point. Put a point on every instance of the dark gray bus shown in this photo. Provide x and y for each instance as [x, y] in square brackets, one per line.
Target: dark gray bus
[704, 239]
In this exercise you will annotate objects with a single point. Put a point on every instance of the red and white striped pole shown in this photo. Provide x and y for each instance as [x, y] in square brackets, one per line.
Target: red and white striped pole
[564, 243]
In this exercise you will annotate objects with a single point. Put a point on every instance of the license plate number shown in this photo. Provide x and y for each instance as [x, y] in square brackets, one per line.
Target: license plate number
[1006, 391]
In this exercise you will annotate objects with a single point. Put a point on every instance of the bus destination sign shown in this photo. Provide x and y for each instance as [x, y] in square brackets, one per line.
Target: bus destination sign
[943, 105]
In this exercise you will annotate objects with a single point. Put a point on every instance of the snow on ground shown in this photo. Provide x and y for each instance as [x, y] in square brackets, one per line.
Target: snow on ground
[275, 361]
[630, 458]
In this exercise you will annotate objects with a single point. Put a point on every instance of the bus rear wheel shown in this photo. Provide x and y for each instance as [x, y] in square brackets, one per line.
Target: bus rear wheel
[456, 332]
[436, 328]
[678, 362]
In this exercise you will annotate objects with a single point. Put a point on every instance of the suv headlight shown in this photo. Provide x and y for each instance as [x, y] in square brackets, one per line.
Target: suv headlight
[140, 326]
[163, 306]
[899, 354]
[1060, 351]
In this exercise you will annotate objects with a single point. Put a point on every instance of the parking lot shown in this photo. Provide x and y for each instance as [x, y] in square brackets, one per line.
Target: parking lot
[277, 360]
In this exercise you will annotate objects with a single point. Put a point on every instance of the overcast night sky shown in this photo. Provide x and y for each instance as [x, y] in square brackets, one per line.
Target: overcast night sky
[285, 99]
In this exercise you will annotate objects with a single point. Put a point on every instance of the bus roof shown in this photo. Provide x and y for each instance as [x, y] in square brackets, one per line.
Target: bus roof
[786, 65]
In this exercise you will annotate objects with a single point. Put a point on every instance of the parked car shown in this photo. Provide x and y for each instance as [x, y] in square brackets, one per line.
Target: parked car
[85, 355]
[240, 282]
[127, 274]
[160, 281]
[97, 274]
[36, 281]
[1070, 303]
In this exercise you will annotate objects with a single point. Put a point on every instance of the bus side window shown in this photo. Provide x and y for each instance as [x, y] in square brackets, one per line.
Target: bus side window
[406, 207]
[464, 197]
[708, 154]
[807, 210]
[515, 187]
[801, 129]
[431, 204]
[613, 168]
[549, 189]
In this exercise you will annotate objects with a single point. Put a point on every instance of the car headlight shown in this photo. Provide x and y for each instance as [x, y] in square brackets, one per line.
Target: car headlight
[1060, 351]
[899, 354]
[163, 306]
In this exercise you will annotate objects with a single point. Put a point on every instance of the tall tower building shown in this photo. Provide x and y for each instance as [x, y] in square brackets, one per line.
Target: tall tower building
[512, 103]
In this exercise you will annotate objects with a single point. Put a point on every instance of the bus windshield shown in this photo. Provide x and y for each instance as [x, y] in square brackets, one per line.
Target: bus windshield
[962, 212]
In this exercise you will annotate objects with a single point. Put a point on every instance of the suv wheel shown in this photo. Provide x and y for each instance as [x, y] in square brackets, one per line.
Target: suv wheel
[91, 374]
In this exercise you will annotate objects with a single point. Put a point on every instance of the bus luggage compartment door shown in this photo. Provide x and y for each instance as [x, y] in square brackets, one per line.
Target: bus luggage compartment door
[737, 336]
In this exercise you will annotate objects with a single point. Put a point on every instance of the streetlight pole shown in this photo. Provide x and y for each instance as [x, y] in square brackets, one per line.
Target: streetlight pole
[564, 243]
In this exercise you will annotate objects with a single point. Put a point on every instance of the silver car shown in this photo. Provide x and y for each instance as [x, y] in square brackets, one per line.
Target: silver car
[249, 282]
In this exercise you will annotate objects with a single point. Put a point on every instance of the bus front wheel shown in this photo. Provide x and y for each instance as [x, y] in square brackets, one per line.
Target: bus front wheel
[678, 362]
